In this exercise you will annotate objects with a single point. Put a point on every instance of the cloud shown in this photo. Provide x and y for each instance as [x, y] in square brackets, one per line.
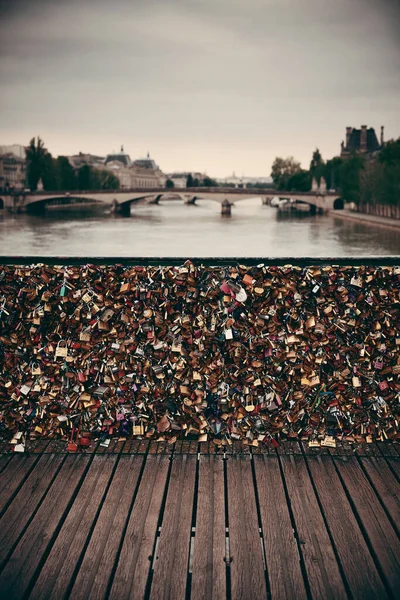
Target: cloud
[263, 73]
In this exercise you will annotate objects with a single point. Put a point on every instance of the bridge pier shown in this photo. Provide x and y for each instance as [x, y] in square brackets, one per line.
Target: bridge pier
[156, 199]
[191, 201]
[226, 209]
[121, 209]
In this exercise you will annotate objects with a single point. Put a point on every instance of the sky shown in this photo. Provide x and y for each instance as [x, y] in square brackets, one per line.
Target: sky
[218, 86]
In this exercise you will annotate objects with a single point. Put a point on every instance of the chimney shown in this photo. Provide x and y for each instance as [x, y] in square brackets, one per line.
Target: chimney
[382, 135]
[363, 138]
[348, 134]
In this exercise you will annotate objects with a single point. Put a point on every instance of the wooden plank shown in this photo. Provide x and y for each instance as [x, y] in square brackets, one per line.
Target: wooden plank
[323, 573]
[194, 447]
[38, 446]
[153, 447]
[247, 566]
[98, 562]
[110, 449]
[26, 557]
[357, 563]
[5, 447]
[171, 564]
[386, 485]
[58, 570]
[395, 466]
[57, 446]
[143, 446]
[13, 476]
[4, 460]
[209, 567]
[280, 544]
[26, 501]
[134, 565]
[380, 533]
[388, 449]
[131, 446]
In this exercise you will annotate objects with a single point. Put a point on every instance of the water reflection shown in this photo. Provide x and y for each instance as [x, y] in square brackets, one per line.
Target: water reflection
[175, 229]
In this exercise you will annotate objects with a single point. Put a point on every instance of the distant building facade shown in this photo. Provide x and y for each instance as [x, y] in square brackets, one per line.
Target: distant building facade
[16, 149]
[179, 179]
[131, 174]
[79, 160]
[242, 182]
[361, 141]
[12, 172]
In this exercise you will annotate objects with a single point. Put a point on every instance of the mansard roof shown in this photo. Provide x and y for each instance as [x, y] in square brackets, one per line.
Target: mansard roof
[145, 163]
[119, 157]
[354, 143]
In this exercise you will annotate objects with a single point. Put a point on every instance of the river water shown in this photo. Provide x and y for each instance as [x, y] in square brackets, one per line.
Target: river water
[174, 229]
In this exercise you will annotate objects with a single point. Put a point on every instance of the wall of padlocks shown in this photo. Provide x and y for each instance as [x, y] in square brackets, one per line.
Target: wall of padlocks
[224, 353]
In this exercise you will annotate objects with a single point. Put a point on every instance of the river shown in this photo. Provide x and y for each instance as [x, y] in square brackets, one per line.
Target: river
[174, 229]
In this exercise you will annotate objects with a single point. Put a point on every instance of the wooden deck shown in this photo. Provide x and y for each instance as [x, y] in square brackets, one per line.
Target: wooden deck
[146, 520]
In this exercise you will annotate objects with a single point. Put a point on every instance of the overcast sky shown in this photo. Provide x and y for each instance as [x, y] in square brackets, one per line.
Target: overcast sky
[211, 85]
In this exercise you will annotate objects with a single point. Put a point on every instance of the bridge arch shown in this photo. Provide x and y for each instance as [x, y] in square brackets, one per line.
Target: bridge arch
[338, 204]
[56, 200]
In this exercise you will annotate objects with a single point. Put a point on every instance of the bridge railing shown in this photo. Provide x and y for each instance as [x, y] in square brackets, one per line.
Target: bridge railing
[192, 190]
[300, 261]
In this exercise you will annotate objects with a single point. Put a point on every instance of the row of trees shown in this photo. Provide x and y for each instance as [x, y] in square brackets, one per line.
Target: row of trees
[58, 173]
[359, 179]
[194, 182]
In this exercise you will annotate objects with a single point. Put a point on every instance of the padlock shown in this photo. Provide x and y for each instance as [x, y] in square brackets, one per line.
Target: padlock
[72, 443]
[88, 296]
[84, 440]
[35, 369]
[61, 349]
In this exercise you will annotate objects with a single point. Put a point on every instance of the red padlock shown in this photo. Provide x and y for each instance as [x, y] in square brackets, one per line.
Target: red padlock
[81, 377]
[72, 445]
[84, 440]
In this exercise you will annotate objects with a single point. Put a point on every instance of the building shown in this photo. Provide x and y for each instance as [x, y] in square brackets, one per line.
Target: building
[12, 172]
[16, 149]
[243, 182]
[79, 160]
[141, 173]
[180, 179]
[361, 141]
[131, 174]
[146, 173]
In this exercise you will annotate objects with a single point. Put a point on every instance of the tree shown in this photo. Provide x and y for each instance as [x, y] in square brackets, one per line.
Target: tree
[105, 180]
[35, 154]
[85, 178]
[169, 184]
[49, 173]
[317, 165]
[390, 153]
[66, 174]
[208, 182]
[332, 171]
[189, 181]
[282, 170]
[196, 182]
[300, 182]
[350, 179]
[388, 173]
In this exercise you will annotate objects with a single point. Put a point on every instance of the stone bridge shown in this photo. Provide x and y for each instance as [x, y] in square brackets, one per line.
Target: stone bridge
[120, 201]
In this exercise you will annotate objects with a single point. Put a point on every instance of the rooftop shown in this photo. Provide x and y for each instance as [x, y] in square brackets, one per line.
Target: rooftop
[354, 143]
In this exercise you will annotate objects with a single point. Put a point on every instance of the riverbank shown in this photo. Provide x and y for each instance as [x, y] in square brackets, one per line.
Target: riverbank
[374, 220]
